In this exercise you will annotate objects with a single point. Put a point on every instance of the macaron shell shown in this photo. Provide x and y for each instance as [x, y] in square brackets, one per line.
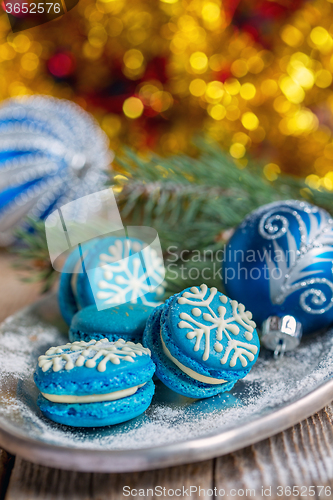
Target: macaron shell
[67, 301]
[192, 363]
[180, 324]
[169, 373]
[99, 414]
[81, 380]
[125, 321]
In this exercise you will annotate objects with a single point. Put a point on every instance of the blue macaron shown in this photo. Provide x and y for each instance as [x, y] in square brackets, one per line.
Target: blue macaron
[201, 342]
[126, 321]
[96, 383]
[67, 301]
[117, 270]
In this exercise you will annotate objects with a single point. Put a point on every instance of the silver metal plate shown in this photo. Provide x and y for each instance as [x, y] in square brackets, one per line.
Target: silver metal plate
[174, 430]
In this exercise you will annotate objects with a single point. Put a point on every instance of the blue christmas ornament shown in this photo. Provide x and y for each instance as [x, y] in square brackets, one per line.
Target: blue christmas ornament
[278, 264]
[51, 152]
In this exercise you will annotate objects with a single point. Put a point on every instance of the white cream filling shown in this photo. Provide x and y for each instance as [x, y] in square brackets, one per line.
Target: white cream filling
[188, 371]
[92, 398]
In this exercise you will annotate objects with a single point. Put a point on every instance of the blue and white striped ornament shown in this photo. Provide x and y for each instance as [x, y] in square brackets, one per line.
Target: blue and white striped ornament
[51, 152]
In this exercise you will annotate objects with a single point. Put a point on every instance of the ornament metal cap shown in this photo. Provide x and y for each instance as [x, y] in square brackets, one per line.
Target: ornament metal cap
[281, 334]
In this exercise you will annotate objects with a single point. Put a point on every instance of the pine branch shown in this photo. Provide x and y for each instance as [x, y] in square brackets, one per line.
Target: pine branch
[193, 203]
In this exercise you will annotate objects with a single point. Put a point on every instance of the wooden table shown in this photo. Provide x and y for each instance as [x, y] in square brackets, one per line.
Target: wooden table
[300, 456]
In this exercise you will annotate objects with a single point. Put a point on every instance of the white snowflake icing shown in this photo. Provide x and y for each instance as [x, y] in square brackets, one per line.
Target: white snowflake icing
[127, 277]
[299, 267]
[220, 325]
[88, 353]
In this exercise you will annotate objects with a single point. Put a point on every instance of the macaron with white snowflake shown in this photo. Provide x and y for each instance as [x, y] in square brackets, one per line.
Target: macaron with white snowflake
[117, 270]
[201, 342]
[96, 383]
[126, 321]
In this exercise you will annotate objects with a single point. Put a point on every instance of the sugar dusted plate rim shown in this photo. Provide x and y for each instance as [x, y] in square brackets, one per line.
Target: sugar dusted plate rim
[25, 433]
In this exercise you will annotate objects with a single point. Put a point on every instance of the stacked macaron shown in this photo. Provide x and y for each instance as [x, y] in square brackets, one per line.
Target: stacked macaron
[112, 273]
[126, 321]
[96, 383]
[201, 342]
[104, 376]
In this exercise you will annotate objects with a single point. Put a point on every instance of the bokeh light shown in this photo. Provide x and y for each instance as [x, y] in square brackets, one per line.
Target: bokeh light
[250, 121]
[133, 107]
[154, 74]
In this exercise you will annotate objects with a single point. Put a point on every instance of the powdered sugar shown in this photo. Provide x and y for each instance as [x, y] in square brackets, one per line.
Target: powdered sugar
[171, 418]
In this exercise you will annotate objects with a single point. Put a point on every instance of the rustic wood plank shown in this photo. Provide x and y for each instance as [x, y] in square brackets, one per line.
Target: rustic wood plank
[6, 466]
[301, 456]
[35, 482]
[177, 482]
[31, 482]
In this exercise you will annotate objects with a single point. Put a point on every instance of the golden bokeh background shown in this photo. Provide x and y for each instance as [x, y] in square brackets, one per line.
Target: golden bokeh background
[255, 76]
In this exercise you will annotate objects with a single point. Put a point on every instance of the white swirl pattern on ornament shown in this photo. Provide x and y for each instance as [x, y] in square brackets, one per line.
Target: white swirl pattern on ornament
[294, 262]
[223, 326]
